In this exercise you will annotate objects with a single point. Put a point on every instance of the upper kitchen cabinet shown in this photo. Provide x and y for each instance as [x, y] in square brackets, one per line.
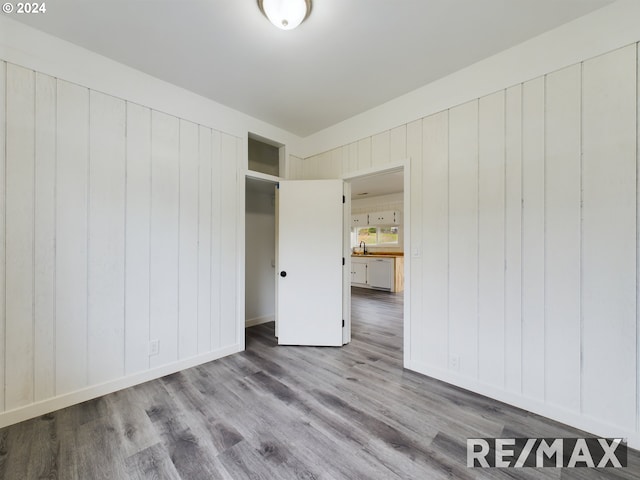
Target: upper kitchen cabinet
[391, 217]
[264, 157]
[360, 219]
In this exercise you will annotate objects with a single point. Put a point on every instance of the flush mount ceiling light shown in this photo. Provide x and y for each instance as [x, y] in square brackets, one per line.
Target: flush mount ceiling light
[285, 14]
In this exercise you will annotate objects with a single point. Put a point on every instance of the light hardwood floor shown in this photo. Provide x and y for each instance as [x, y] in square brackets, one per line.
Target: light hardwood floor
[285, 413]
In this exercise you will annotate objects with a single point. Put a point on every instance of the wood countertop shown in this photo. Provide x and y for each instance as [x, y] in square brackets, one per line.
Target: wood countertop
[379, 254]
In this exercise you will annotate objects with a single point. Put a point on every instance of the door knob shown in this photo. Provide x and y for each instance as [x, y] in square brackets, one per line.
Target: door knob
[283, 274]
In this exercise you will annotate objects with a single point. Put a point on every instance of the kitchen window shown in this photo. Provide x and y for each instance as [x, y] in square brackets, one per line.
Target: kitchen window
[372, 236]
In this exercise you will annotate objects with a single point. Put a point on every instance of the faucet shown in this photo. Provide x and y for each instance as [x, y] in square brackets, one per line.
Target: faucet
[364, 248]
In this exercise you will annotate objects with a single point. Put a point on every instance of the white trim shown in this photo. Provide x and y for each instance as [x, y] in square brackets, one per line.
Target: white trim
[242, 159]
[406, 232]
[346, 268]
[554, 412]
[252, 322]
[33, 410]
[261, 176]
[378, 170]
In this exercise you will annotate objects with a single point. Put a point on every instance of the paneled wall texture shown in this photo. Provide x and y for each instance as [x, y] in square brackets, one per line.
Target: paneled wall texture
[118, 227]
[525, 206]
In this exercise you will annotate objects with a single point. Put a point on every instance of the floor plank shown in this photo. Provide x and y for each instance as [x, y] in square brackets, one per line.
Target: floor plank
[276, 412]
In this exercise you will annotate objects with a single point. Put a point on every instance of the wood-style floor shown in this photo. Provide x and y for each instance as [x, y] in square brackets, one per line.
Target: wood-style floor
[282, 413]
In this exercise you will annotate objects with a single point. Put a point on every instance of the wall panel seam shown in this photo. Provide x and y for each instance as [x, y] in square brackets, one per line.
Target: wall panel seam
[124, 250]
[198, 250]
[637, 240]
[4, 242]
[522, 256]
[478, 252]
[88, 241]
[504, 241]
[449, 339]
[55, 240]
[211, 156]
[179, 233]
[33, 243]
[581, 238]
[150, 237]
[544, 239]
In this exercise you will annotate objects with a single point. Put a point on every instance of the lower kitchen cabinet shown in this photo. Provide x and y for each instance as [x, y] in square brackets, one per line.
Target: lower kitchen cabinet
[380, 272]
[359, 271]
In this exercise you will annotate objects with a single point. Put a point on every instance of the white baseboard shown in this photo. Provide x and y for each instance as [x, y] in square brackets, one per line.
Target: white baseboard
[554, 412]
[66, 400]
[252, 322]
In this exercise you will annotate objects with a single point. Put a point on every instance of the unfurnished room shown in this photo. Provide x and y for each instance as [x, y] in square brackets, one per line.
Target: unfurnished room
[320, 239]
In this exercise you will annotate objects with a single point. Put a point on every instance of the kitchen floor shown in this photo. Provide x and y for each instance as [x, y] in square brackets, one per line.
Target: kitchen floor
[281, 413]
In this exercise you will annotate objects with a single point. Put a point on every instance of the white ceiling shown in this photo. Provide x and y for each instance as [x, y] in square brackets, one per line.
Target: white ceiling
[376, 185]
[349, 56]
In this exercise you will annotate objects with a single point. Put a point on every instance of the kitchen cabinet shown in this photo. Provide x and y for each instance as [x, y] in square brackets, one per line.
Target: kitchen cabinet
[359, 220]
[391, 217]
[359, 271]
[385, 272]
[380, 273]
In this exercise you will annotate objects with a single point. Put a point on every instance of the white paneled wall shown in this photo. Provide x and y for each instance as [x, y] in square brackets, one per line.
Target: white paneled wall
[609, 236]
[205, 233]
[533, 200]
[525, 217]
[463, 237]
[71, 237]
[44, 237]
[491, 238]
[430, 231]
[19, 271]
[106, 238]
[119, 227]
[562, 236]
[137, 227]
[513, 240]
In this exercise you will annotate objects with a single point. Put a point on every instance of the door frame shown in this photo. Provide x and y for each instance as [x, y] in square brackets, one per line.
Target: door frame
[243, 175]
[405, 166]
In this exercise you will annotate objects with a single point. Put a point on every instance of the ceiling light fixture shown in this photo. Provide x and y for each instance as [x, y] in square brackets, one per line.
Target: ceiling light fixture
[285, 14]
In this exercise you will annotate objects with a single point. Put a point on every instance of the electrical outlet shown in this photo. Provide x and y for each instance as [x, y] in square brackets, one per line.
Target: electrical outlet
[454, 362]
[154, 347]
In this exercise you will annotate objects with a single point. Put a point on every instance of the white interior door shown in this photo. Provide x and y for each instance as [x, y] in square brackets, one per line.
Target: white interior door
[309, 262]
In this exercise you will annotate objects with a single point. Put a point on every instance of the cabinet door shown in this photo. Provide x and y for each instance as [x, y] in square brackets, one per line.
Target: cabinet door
[359, 272]
[380, 273]
[384, 218]
[359, 220]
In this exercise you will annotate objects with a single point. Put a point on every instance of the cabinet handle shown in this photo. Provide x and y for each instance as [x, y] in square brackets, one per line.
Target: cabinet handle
[283, 274]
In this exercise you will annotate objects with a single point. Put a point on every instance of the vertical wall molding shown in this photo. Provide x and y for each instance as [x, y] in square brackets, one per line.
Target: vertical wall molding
[638, 236]
[3, 232]
[541, 236]
[44, 231]
[513, 242]
[609, 236]
[109, 215]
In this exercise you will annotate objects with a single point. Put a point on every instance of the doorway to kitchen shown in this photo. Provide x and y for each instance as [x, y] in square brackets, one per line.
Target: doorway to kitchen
[379, 235]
